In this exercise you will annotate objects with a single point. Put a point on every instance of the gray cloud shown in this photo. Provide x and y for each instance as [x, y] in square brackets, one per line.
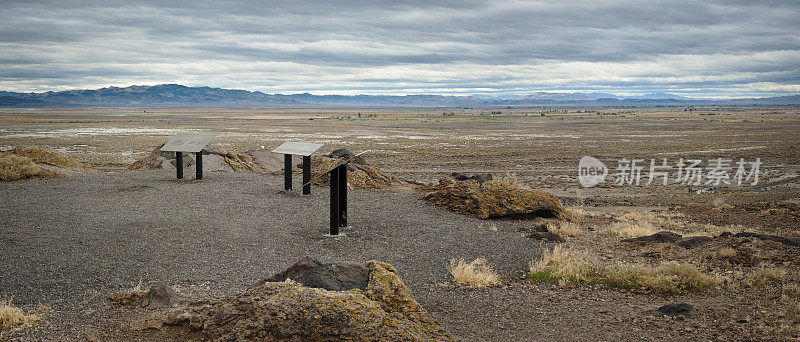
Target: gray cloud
[699, 48]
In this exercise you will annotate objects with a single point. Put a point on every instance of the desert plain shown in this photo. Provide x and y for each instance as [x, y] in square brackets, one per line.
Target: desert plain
[68, 243]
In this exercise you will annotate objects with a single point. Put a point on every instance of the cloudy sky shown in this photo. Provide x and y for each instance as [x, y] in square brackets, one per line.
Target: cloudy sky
[695, 48]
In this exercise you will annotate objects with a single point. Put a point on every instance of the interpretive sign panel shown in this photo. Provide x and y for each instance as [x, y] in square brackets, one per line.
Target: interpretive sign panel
[189, 142]
[297, 148]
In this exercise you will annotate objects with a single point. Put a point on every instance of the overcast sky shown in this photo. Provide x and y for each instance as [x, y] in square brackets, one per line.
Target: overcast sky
[691, 48]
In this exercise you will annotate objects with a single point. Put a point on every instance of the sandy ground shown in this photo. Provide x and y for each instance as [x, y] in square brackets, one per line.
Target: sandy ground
[68, 243]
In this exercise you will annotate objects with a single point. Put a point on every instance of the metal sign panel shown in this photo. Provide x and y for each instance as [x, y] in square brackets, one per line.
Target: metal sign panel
[188, 142]
[297, 148]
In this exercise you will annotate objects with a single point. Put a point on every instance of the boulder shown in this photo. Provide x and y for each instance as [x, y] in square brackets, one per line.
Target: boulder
[384, 310]
[339, 276]
[160, 296]
[494, 198]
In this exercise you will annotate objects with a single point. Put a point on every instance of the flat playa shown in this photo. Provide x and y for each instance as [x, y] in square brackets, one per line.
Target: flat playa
[69, 242]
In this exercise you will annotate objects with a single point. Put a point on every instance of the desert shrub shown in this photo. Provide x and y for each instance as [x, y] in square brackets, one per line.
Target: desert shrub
[564, 265]
[476, 274]
[764, 276]
[565, 228]
[42, 156]
[13, 167]
[633, 224]
[12, 317]
[727, 252]
[575, 214]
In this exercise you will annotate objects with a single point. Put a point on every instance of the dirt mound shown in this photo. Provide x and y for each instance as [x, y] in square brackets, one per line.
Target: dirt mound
[33, 162]
[494, 198]
[384, 311]
[213, 160]
[360, 175]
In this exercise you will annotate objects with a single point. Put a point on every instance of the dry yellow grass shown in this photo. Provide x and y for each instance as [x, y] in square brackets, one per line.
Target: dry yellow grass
[765, 276]
[632, 224]
[12, 317]
[566, 265]
[575, 214]
[565, 228]
[476, 274]
[727, 252]
[13, 167]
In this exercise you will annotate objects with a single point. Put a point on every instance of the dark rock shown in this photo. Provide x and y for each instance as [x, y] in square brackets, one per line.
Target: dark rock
[341, 153]
[673, 310]
[666, 237]
[480, 178]
[794, 242]
[340, 276]
[161, 296]
[693, 241]
[546, 236]
[725, 234]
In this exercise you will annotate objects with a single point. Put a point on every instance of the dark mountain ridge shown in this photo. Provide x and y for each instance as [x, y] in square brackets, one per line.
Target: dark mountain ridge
[175, 95]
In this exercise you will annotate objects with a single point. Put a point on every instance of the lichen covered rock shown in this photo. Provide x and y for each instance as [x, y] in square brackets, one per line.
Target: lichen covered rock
[213, 160]
[385, 311]
[494, 198]
[360, 175]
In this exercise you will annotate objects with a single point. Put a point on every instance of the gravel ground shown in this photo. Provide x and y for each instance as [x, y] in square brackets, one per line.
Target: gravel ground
[68, 243]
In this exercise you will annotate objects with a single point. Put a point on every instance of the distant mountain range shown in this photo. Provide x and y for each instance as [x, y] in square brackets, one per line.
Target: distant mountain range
[175, 95]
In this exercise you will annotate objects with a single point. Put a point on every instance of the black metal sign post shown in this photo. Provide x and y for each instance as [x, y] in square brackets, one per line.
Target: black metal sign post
[306, 175]
[189, 142]
[287, 172]
[198, 173]
[179, 164]
[290, 148]
[338, 199]
[335, 217]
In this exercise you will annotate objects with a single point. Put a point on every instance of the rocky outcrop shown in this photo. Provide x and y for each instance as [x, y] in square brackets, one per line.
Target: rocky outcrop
[213, 160]
[339, 276]
[360, 175]
[384, 310]
[494, 198]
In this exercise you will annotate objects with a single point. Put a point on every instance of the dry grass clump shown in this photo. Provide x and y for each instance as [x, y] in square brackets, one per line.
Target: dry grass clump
[566, 265]
[13, 167]
[727, 252]
[631, 224]
[564, 228]
[476, 274]
[12, 317]
[575, 214]
[563, 263]
[765, 276]
[40, 155]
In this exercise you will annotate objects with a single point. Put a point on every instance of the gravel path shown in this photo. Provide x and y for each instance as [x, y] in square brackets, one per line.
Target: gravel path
[69, 242]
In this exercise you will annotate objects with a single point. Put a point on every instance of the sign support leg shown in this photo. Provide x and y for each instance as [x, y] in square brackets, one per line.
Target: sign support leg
[335, 214]
[199, 165]
[287, 172]
[179, 164]
[343, 195]
[306, 175]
